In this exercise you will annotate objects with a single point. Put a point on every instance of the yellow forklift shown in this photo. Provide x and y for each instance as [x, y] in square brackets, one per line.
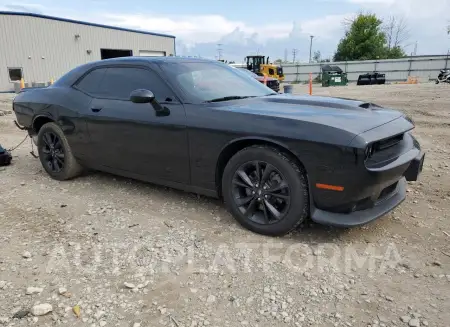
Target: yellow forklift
[260, 66]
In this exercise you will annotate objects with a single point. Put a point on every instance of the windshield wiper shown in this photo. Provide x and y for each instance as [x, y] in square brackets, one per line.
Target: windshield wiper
[228, 98]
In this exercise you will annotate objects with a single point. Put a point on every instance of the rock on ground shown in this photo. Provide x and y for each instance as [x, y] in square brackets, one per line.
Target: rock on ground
[41, 309]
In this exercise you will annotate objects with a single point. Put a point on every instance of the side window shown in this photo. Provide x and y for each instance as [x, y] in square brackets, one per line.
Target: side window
[91, 82]
[119, 82]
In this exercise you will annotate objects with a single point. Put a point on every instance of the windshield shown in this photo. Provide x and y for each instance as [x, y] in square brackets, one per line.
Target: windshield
[249, 73]
[213, 81]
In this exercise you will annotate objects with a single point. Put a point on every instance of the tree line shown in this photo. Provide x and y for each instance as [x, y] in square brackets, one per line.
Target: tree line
[367, 37]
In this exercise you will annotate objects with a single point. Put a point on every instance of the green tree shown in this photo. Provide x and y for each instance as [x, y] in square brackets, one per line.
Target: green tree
[396, 31]
[317, 57]
[395, 53]
[364, 40]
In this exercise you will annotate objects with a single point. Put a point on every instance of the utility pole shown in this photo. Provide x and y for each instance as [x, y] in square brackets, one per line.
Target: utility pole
[294, 53]
[219, 50]
[310, 48]
[285, 55]
[415, 49]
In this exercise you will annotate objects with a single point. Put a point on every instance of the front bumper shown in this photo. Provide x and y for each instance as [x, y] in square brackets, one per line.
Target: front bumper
[379, 209]
[362, 217]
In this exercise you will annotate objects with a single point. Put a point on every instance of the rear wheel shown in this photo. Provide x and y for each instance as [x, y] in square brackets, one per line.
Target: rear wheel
[55, 154]
[265, 190]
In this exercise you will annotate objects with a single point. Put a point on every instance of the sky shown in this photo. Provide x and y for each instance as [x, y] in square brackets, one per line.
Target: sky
[241, 28]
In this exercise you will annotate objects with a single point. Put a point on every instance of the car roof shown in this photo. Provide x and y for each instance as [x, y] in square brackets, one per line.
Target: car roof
[72, 76]
[154, 59]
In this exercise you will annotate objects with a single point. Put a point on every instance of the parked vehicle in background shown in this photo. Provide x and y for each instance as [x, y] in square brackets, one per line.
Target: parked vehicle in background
[374, 78]
[201, 126]
[272, 83]
[333, 76]
[261, 66]
[444, 76]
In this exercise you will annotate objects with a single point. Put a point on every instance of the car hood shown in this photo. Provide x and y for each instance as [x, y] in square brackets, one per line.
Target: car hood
[346, 114]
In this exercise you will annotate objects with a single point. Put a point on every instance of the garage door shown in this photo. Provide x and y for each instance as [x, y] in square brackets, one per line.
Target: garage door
[148, 53]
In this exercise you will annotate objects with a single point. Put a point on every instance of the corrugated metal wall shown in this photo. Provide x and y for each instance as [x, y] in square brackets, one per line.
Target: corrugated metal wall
[424, 67]
[46, 48]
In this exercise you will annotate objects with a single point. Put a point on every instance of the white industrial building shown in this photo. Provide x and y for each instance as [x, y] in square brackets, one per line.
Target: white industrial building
[41, 48]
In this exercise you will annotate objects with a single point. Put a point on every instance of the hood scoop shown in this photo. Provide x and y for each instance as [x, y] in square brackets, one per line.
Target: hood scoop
[368, 105]
[324, 102]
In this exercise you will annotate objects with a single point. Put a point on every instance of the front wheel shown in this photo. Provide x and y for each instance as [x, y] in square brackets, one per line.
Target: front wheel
[437, 81]
[266, 190]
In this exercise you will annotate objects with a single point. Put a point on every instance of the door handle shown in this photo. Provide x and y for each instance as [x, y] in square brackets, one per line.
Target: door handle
[96, 109]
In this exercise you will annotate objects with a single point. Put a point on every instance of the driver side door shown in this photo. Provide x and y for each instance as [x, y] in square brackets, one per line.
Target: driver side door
[130, 137]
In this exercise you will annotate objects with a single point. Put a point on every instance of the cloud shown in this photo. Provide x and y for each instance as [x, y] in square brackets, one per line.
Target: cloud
[326, 27]
[199, 28]
[412, 9]
[25, 7]
[200, 34]
[237, 37]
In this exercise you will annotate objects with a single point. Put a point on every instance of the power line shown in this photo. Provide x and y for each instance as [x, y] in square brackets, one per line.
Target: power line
[219, 50]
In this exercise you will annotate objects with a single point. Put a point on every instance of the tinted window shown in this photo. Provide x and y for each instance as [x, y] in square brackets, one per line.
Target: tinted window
[91, 82]
[120, 82]
[205, 81]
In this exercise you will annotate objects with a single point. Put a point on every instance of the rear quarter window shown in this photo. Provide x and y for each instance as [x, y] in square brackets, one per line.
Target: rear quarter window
[92, 81]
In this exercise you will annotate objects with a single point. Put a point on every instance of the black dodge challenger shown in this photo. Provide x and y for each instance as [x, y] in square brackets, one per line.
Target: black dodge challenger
[203, 127]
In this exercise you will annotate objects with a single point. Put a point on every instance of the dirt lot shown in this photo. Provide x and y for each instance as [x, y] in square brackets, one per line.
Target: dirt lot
[134, 254]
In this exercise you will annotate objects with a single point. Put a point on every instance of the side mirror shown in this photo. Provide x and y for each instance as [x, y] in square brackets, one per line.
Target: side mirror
[142, 96]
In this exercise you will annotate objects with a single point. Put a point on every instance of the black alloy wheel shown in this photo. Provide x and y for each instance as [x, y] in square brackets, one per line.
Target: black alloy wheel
[56, 154]
[266, 190]
[53, 152]
[261, 192]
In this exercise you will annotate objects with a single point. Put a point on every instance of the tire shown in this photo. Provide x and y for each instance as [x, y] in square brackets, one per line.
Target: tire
[60, 151]
[291, 201]
[437, 81]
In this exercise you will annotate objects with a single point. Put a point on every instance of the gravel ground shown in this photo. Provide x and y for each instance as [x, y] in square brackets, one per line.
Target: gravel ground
[108, 251]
